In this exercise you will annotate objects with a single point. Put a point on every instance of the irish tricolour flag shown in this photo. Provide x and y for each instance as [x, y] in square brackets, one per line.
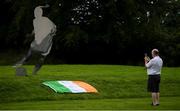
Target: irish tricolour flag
[70, 87]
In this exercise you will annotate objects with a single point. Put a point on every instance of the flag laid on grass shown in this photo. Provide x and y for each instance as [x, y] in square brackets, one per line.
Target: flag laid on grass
[70, 87]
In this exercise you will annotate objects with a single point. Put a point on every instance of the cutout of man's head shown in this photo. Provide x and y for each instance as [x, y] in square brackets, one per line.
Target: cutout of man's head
[38, 12]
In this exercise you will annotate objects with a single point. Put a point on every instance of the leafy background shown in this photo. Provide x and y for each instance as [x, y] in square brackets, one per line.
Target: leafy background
[95, 31]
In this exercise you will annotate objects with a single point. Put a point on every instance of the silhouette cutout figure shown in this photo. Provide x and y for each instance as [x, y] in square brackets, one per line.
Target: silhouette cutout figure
[44, 30]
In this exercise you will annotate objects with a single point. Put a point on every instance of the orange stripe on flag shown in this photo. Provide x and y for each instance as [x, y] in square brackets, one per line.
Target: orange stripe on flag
[86, 86]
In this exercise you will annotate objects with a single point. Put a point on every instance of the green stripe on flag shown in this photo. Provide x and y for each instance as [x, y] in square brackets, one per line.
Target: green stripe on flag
[56, 86]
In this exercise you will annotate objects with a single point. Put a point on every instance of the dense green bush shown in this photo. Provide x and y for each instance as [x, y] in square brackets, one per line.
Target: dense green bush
[115, 32]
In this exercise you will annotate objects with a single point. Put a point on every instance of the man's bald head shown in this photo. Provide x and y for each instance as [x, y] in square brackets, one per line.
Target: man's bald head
[155, 52]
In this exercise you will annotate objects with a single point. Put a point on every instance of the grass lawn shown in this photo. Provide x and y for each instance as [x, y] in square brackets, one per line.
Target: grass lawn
[96, 104]
[120, 87]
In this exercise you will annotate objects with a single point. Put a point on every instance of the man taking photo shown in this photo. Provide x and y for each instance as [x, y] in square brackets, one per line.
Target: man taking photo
[153, 71]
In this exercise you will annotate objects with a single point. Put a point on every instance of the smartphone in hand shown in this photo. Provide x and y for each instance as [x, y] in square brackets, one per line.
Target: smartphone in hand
[146, 57]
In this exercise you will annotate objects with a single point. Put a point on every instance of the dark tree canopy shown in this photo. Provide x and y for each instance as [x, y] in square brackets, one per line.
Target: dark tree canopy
[97, 31]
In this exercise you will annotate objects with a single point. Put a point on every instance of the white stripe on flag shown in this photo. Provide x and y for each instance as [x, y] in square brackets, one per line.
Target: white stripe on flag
[72, 86]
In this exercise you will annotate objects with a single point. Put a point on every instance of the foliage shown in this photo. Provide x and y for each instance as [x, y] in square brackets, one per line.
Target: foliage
[104, 31]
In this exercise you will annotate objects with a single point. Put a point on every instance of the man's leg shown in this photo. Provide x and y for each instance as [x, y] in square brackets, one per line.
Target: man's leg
[38, 66]
[157, 98]
[153, 98]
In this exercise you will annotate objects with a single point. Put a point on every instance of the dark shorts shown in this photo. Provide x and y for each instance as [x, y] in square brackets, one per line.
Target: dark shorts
[153, 83]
